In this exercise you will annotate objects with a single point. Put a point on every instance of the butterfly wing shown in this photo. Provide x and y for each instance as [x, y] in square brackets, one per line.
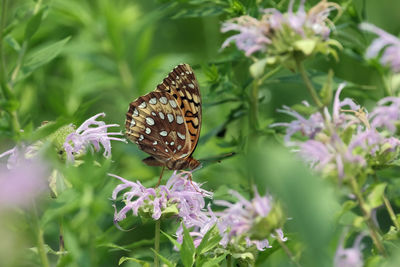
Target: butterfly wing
[155, 123]
[182, 85]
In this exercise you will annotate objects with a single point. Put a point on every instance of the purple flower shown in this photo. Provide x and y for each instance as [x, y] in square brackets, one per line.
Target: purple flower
[22, 180]
[307, 127]
[386, 115]
[91, 132]
[180, 196]
[345, 137]
[240, 219]
[386, 42]
[257, 35]
[199, 227]
[349, 257]
[252, 36]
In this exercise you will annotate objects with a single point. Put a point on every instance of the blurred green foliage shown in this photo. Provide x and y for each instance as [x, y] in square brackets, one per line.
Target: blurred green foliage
[66, 60]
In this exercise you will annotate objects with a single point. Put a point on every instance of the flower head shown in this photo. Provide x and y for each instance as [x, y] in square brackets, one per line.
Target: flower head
[91, 132]
[349, 257]
[386, 114]
[252, 221]
[243, 223]
[389, 44]
[252, 36]
[275, 30]
[180, 196]
[22, 179]
[347, 138]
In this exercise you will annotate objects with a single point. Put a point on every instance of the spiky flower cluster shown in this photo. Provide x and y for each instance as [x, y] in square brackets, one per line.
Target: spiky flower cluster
[180, 196]
[386, 43]
[347, 140]
[279, 33]
[22, 178]
[248, 222]
[254, 221]
[91, 132]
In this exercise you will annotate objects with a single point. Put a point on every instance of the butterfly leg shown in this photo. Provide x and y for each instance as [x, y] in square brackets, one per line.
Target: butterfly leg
[161, 175]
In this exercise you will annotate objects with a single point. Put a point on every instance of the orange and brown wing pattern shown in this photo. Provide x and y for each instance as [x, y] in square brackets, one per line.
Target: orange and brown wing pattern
[156, 124]
[166, 123]
[182, 84]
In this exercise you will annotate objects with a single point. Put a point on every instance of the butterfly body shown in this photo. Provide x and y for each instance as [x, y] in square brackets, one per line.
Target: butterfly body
[166, 123]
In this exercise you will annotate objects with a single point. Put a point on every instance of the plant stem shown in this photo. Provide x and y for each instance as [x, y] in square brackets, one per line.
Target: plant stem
[2, 26]
[253, 100]
[269, 74]
[61, 238]
[310, 87]
[40, 240]
[157, 243]
[6, 90]
[367, 216]
[288, 252]
[24, 47]
[253, 116]
[391, 212]
[229, 260]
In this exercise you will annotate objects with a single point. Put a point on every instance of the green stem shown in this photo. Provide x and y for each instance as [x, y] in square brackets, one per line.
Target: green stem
[288, 252]
[61, 237]
[229, 260]
[310, 87]
[367, 217]
[253, 99]
[24, 47]
[391, 212]
[14, 74]
[253, 116]
[3, 73]
[157, 243]
[6, 89]
[40, 240]
[269, 74]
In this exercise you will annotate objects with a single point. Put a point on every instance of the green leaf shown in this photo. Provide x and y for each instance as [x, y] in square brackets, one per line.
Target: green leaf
[41, 57]
[326, 91]
[206, 11]
[375, 197]
[173, 241]
[33, 24]
[187, 249]
[214, 261]
[13, 43]
[114, 247]
[392, 234]
[164, 259]
[209, 241]
[124, 259]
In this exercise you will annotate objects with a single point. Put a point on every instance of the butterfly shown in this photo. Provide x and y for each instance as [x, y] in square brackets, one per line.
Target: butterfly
[166, 122]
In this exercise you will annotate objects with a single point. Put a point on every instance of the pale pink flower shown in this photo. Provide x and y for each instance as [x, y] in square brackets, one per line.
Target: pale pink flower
[386, 43]
[91, 132]
[21, 180]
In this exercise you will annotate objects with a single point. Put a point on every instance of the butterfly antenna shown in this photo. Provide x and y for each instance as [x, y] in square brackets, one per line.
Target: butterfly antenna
[161, 175]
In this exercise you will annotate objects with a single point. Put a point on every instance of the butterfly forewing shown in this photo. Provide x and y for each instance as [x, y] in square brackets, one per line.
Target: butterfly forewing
[166, 122]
